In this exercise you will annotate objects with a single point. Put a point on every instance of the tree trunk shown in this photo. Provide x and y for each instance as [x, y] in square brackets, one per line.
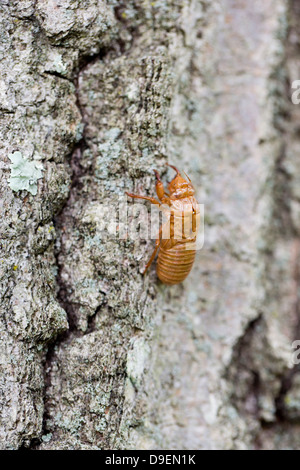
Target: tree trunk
[94, 95]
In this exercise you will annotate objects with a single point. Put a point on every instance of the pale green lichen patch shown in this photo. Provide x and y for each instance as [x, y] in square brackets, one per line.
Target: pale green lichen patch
[24, 173]
[112, 147]
[47, 437]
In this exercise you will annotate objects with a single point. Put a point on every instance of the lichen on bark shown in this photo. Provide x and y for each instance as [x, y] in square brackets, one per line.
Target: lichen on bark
[40, 119]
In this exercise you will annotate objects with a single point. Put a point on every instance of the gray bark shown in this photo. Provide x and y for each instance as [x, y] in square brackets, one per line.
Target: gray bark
[94, 95]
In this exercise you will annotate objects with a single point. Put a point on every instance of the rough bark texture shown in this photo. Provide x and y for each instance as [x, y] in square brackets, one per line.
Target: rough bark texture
[97, 94]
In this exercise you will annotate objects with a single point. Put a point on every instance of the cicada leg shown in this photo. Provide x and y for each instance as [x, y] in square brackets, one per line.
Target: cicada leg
[147, 198]
[160, 191]
[157, 243]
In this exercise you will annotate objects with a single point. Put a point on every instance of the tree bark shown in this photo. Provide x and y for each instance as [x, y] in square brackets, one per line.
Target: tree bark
[94, 95]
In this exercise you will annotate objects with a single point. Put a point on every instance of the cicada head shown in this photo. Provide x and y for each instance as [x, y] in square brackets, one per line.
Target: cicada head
[180, 187]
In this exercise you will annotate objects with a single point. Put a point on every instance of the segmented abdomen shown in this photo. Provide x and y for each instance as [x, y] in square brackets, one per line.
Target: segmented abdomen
[174, 264]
